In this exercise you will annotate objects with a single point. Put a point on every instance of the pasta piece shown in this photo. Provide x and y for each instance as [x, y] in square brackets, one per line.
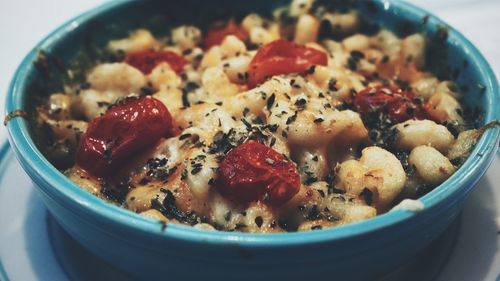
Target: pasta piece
[231, 46]
[236, 68]
[425, 86]
[300, 7]
[67, 130]
[378, 174]
[413, 50]
[91, 103]
[212, 58]
[201, 171]
[139, 41]
[252, 20]
[444, 107]
[118, 77]
[261, 36]
[83, 180]
[307, 29]
[413, 133]
[60, 106]
[139, 198]
[313, 165]
[154, 214]
[163, 77]
[204, 226]
[356, 42]
[431, 165]
[216, 83]
[223, 212]
[186, 36]
[342, 23]
[315, 225]
[358, 213]
[258, 218]
[387, 42]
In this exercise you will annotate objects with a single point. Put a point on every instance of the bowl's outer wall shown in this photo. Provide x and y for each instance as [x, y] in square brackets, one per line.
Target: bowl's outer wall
[374, 253]
[137, 245]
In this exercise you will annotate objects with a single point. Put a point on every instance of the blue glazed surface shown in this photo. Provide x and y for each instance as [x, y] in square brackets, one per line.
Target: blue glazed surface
[141, 246]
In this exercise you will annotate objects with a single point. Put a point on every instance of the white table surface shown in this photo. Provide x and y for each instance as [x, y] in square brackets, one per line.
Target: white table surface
[23, 23]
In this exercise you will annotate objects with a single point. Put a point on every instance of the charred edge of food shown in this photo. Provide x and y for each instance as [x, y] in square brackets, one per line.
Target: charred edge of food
[14, 114]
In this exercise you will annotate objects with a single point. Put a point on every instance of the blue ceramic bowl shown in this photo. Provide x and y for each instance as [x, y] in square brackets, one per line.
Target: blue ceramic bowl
[145, 248]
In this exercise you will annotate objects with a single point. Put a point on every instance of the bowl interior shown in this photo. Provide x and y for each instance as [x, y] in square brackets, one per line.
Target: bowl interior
[451, 57]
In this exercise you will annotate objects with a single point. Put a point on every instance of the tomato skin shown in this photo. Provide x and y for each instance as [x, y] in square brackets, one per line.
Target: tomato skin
[122, 132]
[399, 105]
[216, 34]
[252, 169]
[282, 57]
[146, 61]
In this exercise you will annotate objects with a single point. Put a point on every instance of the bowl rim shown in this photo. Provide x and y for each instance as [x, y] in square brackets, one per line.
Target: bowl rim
[39, 169]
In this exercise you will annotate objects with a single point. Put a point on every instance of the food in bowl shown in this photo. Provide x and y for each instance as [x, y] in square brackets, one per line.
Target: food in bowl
[299, 121]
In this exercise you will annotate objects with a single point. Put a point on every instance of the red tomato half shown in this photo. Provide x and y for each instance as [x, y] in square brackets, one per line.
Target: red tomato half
[146, 61]
[282, 57]
[252, 170]
[215, 35]
[399, 105]
[122, 132]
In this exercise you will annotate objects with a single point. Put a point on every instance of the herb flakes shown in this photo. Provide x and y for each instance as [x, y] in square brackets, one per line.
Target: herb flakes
[291, 119]
[318, 120]
[270, 101]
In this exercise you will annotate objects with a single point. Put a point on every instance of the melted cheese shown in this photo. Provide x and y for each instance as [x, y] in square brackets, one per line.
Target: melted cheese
[295, 114]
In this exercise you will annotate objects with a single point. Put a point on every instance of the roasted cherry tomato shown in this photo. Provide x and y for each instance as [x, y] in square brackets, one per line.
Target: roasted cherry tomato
[399, 105]
[282, 57]
[252, 170]
[216, 34]
[146, 61]
[122, 132]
